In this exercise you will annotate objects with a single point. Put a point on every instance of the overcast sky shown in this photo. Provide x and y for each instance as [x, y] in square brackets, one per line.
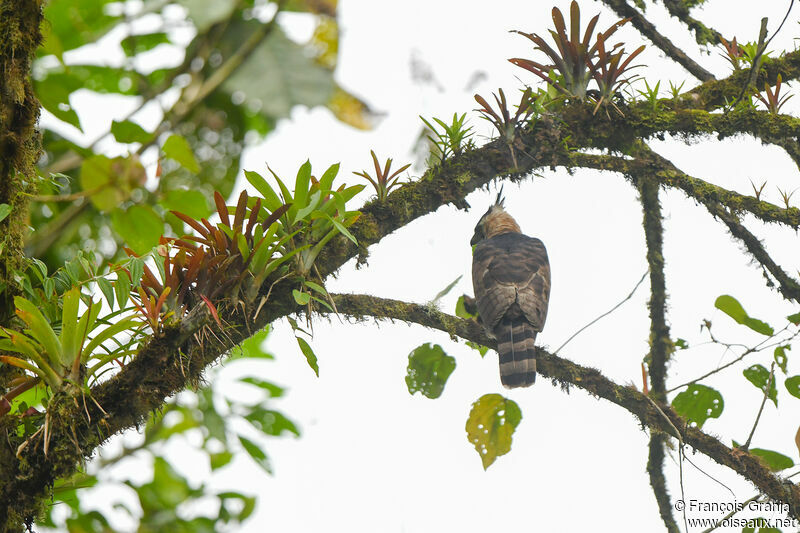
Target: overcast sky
[371, 457]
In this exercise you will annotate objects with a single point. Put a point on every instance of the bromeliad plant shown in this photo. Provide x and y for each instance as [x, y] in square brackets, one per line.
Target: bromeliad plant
[608, 71]
[70, 357]
[575, 59]
[383, 181]
[774, 101]
[452, 140]
[229, 260]
[502, 120]
[317, 213]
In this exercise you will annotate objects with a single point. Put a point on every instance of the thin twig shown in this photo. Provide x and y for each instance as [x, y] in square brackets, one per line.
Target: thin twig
[628, 297]
[746, 445]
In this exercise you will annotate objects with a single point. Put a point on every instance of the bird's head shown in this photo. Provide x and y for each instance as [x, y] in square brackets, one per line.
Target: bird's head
[494, 222]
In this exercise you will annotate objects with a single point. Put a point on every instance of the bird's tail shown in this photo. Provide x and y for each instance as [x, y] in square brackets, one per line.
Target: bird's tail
[515, 337]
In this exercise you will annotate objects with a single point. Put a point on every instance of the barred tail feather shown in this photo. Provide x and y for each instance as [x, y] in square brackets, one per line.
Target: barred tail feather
[515, 337]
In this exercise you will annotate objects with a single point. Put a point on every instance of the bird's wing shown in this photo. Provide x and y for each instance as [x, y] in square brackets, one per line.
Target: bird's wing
[508, 268]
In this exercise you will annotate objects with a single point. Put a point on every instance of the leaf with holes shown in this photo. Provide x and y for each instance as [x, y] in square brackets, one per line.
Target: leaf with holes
[780, 356]
[758, 375]
[491, 425]
[698, 403]
[428, 369]
[793, 386]
[731, 307]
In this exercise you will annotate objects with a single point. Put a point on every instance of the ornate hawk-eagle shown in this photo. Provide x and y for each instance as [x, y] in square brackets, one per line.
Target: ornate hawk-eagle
[511, 279]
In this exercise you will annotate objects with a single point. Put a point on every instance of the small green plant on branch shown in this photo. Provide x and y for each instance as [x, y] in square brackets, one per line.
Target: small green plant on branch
[383, 182]
[452, 140]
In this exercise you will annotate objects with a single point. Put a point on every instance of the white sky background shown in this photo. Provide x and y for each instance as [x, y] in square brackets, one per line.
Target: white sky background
[371, 457]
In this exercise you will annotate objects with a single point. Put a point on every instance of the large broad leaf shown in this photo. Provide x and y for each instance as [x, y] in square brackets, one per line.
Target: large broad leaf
[110, 181]
[758, 375]
[278, 75]
[177, 148]
[490, 426]
[192, 203]
[698, 403]
[140, 227]
[204, 13]
[73, 23]
[428, 369]
[774, 460]
[793, 386]
[731, 307]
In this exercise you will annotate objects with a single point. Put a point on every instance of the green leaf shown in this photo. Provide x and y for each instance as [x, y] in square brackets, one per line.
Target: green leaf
[731, 307]
[218, 460]
[136, 44]
[189, 202]
[681, 344]
[447, 289]
[479, 347]
[428, 369]
[340, 227]
[302, 298]
[256, 453]
[491, 425]
[316, 287]
[461, 310]
[140, 227]
[96, 177]
[793, 386]
[279, 74]
[41, 331]
[122, 288]
[774, 460]
[273, 390]
[794, 319]
[758, 375]
[5, 210]
[252, 347]
[177, 148]
[780, 356]
[270, 198]
[53, 93]
[270, 422]
[129, 132]
[309, 353]
[698, 403]
[136, 269]
[204, 14]
[108, 291]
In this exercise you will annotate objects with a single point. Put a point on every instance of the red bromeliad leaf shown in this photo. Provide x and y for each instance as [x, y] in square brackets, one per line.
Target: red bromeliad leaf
[212, 309]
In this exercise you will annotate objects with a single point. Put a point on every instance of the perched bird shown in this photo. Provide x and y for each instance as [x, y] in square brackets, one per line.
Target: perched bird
[511, 279]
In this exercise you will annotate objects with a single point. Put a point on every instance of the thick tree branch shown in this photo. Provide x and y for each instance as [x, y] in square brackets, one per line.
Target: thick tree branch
[660, 342]
[787, 286]
[655, 469]
[702, 191]
[647, 29]
[702, 33]
[565, 373]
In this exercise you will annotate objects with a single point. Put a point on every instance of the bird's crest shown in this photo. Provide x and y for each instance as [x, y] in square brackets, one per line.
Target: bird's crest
[495, 221]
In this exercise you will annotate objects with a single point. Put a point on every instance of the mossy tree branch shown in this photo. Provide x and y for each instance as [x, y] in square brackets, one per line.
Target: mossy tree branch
[646, 28]
[19, 141]
[565, 373]
[702, 191]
